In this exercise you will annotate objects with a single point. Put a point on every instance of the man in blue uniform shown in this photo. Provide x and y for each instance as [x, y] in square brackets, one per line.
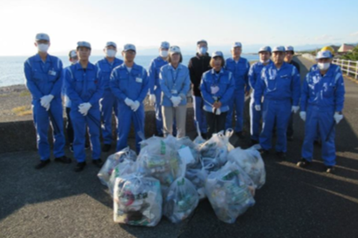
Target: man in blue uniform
[322, 101]
[129, 84]
[108, 102]
[239, 67]
[254, 76]
[280, 86]
[84, 88]
[43, 74]
[154, 86]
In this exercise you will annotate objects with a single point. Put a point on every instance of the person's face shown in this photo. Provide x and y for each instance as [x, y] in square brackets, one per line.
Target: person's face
[129, 55]
[83, 53]
[264, 55]
[289, 56]
[175, 58]
[42, 42]
[202, 44]
[278, 57]
[325, 60]
[111, 47]
[236, 52]
[217, 63]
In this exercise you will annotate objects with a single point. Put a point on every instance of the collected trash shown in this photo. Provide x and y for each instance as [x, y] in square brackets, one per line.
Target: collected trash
[137, 200]
[124, 168]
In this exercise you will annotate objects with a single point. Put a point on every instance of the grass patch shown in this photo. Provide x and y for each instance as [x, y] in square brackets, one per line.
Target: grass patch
[22, 111]
[25, 93]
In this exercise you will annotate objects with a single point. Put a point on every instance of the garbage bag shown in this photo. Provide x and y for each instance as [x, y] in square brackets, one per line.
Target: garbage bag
[199, 139]
[112, 161]
[197, 175]
[230, 192]
[181, 201]
[124, 168]
[137, 200]
[251, 162]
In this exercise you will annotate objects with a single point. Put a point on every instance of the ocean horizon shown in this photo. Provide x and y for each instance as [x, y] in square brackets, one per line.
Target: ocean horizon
[12, 67]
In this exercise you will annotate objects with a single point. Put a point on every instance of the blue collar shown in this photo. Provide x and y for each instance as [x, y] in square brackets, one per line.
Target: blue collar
[38, 58]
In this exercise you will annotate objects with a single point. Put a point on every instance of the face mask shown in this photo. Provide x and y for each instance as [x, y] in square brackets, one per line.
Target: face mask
[110, 53]
[202, 50]
[163, 53]
[42, 47]
[323, 66]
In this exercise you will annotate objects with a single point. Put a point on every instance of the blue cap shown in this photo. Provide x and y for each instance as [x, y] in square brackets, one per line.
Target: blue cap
[324, 55]
[265, 48]
[201, 41]
[217, 53]
[278, 49]
[290, 48]
[165, 45]
[72, 54]
[236, 44]
[174, 49]
[111, 43]
[83, 44]
[129, 47]
[42, 36]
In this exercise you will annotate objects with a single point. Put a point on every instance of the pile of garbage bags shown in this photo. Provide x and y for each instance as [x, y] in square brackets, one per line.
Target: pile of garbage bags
[170, 176]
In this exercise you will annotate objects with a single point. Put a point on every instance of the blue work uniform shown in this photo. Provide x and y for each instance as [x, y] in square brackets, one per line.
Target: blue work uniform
[240, 70]
[85, 86]
[321, 97]
[44, 78]
[134, 85]
[108, 102]
[154, 88]
[281, 90]
[255, 116]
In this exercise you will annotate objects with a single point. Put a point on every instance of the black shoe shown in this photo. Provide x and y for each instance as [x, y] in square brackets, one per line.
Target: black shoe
[289, 138]
[303, 163]
[87, 146]
[80, 166]
[264, 152]
[97, 162]
[281, 155]
[317, 142]
[240, 134]
[71, 147]
[254, 142]
[63, 159]
[42, 164]
[106, 147]
[204, 135]
[329, 169]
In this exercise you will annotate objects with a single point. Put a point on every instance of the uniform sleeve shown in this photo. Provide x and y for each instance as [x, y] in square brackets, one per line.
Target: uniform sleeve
[229, 91]
[339, 93]
[151, 77]
[260, 87]
[296, 87]
[100, 88]
[163, 86]
[145, 86]
[304, 93]
[30, 84]
[70, 91]
[204, 93]
[186, 87]
[57, 87]
[251, 76]
[114, 86]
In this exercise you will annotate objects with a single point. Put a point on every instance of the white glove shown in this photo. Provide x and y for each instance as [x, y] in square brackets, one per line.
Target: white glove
[135, 106]
[258, 107]
[175, 101]
[152, 99]
[337, 117]
[129, 102]
[46, 101]
[83, 108]
[303, 116]
[218, 111]
[295, 109]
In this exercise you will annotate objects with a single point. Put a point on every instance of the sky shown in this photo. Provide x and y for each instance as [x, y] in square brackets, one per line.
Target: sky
[304, 24]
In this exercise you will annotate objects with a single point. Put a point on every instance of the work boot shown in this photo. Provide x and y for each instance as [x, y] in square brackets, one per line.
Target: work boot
[106, 147]
[329, 169]
[63, 159]
[80, 166]
[97, 162]
[42, 164]
[303, 163]
[254, 142]
[204, 136]
[240, 134]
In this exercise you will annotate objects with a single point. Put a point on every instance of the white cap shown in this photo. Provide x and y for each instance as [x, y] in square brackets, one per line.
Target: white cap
[165, 45]
[278, 49]
[174, 49]
[265, 48]
[129, 47]
[72, 54]
[42, 36]
[83, 44]
[236, 44]
[324, 54]
[217, 53]
[111, 43]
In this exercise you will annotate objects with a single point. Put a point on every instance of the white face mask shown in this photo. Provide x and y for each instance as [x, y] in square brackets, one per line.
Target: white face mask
[163, 53]
[42, 47]
[323, 66]
[202, 50]
[110, 53]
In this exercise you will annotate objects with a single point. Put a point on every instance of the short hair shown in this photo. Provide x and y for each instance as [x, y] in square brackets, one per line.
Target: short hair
[212, 61]
[170, 58]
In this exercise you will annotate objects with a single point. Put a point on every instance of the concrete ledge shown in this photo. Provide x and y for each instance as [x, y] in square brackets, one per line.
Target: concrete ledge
[21, 135]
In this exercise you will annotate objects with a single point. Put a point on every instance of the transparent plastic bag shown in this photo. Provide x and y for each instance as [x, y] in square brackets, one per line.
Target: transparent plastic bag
[199, 139]
[230, 192]
[124, 168]
[197, 175]
[251, 162]
[181, 201]
[137, 200]
[112, 161]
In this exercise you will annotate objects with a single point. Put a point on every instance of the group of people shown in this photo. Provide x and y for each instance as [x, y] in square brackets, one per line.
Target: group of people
[93, 92]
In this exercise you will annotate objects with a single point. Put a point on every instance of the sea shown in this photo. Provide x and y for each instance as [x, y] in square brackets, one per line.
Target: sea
[12, 67]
